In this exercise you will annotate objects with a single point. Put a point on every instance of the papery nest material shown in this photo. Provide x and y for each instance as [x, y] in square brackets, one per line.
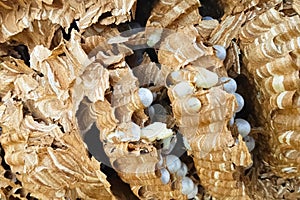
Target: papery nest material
[174, 13]
[40, 136]
[209, 141]
[51, 160]
[83, 71]
[202, 117]
[18, 16]
[278, 86]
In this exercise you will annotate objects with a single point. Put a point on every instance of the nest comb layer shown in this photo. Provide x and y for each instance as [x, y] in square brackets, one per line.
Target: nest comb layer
[59, 13]
[202, 117]
[129, 149]
[275, 71]
[42, 154]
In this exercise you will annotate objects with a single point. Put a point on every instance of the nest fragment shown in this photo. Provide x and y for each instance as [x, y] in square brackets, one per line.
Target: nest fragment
[66, 66]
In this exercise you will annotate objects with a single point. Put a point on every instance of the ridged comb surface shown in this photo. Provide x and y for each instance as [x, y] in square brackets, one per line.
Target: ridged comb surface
[276, 75]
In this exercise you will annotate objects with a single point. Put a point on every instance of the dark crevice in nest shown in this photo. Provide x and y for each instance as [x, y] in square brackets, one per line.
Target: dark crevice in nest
[105, 15]
[67, 35]
[243, 89]
[143, 10]
[211, 8]
[23, 53]
[249, 113]
[16, 50]
[128, 29]
[120, 189]
[29, 197]
[95, 146]
[3, 163]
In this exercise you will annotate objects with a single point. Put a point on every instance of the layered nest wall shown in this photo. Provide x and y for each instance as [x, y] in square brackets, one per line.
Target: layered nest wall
[158, 99]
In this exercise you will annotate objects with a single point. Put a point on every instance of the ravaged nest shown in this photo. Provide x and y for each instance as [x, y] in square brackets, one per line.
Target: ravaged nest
[150, 99]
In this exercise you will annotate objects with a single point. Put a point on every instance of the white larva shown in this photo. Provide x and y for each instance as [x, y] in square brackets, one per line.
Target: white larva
[229, 85]
[206, 78]
[183, 89]
[176, 75]
[168, 144]
[237, 141]
[132, 134]
[187, 185]
[135, 131]
[186, 143]
[154, 94]
[165, 176]
[173, 78]
[193, 105]
[160, 163]
[243, 127]
[151, 111]
[155, 131]
[240, 102]
[193, 193]
[173, 163]
[207, 18]
[250, 142]
[146, 96]
[220, 51]
[154, 38]
[159, 109]
[157, 113]
[231, 121]
[182, 172]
